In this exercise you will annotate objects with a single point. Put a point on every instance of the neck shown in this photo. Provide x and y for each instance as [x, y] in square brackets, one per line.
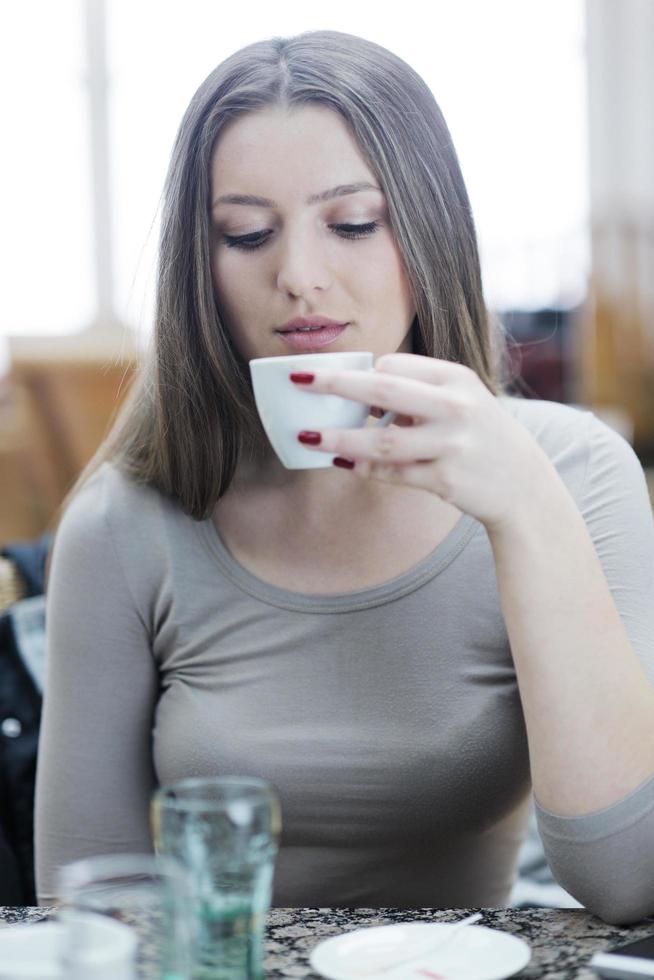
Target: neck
[306, 489]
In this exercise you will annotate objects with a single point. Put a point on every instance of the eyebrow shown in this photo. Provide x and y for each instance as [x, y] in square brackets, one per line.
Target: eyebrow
[264, 202]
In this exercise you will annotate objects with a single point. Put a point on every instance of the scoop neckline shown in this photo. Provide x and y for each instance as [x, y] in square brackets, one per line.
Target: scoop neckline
[431, 565]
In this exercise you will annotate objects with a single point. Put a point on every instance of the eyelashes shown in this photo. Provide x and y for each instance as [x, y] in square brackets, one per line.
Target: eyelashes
[249, 243]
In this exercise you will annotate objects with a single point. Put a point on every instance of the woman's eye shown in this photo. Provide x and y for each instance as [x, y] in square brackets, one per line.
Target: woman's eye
[356, 231]
[248, 242]
[256, 239]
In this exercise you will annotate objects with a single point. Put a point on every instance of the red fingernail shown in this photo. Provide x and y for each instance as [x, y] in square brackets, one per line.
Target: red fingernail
[310, 438]
[301, 378]
[347, 464]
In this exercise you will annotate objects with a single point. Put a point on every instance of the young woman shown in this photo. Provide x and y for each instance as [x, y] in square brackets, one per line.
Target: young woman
[459, 610]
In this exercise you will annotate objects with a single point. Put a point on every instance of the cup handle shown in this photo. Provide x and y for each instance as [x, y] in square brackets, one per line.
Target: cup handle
[386, 419]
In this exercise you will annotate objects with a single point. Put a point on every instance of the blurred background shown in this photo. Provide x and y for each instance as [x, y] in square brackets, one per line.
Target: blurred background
[551, 107]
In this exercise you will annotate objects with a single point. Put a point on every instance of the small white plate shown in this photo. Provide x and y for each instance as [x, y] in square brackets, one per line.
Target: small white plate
[475, 953]
[34, 951]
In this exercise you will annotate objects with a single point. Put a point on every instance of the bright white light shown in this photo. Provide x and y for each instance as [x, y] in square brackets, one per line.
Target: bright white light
[45, 246]
[509, 76]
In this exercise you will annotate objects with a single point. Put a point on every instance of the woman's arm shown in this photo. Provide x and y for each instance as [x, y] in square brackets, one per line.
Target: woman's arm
[94, 771]
[580, 613]
[588, 703]
[588, 700]
[589, 706]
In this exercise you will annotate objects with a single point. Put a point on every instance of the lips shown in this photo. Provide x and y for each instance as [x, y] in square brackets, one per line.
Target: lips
[325, 332]
[310, 321]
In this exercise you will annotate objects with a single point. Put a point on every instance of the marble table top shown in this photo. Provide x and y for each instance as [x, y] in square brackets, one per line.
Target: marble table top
[562, 940]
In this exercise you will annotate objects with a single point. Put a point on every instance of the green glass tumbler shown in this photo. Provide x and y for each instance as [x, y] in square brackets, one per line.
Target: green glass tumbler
[225, 831]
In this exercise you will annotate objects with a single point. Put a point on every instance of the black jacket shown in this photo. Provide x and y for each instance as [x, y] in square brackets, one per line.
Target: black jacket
[22, 662]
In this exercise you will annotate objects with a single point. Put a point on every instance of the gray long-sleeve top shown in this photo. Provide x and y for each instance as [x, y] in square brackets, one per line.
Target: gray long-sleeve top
[389, 719]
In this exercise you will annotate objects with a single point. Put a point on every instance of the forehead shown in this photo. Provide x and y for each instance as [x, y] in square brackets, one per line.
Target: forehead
[308, 145]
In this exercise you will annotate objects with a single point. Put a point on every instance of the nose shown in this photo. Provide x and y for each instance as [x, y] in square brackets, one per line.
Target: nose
[302, 266]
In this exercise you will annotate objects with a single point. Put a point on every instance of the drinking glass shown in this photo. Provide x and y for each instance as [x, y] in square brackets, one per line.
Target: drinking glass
[225, 831]
[145, 893]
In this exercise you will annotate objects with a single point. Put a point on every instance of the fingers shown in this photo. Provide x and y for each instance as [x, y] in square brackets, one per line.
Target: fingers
[391, 444]
[434, 370]
[418, 475]
[401, 420]
[404, 395]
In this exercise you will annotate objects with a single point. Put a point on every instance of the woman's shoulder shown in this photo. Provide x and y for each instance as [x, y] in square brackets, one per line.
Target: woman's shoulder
[110, 493]
[112, 505]
[584, 448]
[556, 425]
[548, 421]
[114, 522]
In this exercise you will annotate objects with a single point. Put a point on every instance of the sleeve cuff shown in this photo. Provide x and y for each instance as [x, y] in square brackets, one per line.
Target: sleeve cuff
[611, 820]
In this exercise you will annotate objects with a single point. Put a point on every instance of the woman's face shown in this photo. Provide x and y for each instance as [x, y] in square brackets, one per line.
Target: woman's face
[293, 235]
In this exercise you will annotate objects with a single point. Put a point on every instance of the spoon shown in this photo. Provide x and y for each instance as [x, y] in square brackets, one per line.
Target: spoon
[460, 925]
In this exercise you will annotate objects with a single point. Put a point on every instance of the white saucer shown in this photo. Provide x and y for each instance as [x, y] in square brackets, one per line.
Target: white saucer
[35, 950]
[475, 953]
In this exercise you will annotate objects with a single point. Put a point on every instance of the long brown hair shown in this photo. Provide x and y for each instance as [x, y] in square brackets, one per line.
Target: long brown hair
[191, 413]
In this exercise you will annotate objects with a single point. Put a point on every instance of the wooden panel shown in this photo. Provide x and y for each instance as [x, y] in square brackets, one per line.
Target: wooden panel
[63, 408]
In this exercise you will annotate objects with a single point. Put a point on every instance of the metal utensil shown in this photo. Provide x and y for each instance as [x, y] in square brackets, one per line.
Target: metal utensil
[458, 927]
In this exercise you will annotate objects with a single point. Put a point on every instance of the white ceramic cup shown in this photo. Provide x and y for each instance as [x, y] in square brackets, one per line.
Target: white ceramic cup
[285, 408]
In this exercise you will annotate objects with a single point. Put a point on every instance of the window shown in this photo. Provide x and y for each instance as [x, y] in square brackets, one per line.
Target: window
[509, 76]
[45, 191]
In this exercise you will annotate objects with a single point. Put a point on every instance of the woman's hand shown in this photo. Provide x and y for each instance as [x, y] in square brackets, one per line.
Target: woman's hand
[451, 437]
